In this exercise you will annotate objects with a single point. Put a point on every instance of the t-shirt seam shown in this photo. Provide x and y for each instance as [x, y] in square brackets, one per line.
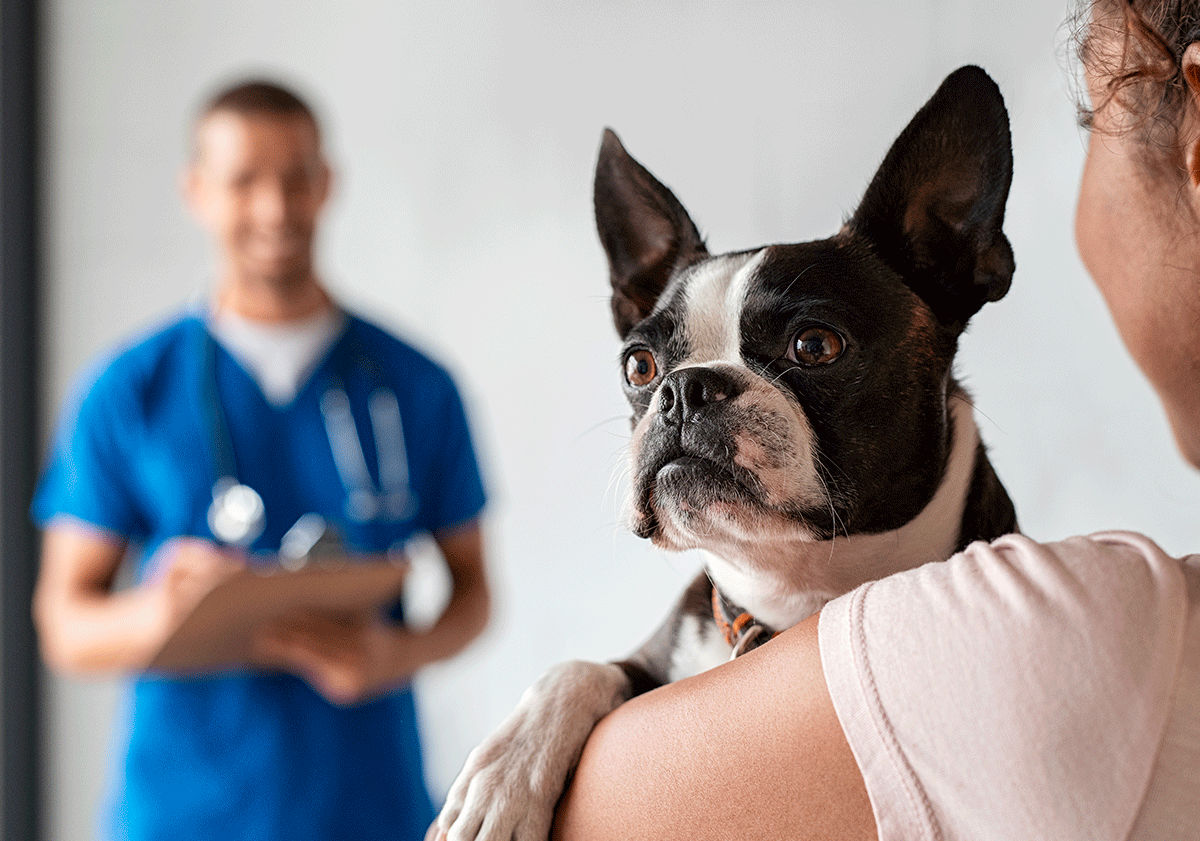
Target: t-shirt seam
[1169, 708]
[917, 797]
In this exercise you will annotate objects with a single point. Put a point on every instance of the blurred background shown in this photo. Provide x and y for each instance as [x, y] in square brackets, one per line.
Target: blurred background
[463, 136]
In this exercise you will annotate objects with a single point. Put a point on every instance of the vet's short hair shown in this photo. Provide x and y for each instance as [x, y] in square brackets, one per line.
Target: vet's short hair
[255, 98]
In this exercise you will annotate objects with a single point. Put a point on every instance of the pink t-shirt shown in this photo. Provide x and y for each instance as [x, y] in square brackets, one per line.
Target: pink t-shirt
[1025, 691]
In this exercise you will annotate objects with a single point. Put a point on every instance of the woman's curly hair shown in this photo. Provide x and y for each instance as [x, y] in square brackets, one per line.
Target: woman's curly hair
[1137, 47]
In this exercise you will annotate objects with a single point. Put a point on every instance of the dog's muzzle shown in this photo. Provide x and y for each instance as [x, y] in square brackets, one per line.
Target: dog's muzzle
[685, 455]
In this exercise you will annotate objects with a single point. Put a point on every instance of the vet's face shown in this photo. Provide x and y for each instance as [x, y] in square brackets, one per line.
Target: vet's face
[759, 385]
[258, 184]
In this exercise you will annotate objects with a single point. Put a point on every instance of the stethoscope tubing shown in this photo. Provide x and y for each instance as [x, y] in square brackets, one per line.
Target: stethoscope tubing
[391, 499]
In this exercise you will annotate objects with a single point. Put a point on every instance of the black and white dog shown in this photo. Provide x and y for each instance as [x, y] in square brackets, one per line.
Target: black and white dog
[795, 414]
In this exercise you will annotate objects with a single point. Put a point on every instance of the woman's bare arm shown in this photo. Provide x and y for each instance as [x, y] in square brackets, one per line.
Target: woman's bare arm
[752, 749]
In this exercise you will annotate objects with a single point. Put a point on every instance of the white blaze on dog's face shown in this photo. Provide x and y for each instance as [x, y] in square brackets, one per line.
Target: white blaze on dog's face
[731, 424]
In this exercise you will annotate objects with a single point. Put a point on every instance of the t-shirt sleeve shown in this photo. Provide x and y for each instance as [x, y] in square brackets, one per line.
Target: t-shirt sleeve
[455, 493]
[1017, 690]
[86, 476]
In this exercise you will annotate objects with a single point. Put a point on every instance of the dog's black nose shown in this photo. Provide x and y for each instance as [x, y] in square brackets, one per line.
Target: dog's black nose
[684, 393]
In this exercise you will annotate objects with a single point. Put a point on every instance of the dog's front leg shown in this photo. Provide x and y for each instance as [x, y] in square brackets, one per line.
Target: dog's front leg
[508, 788]
[509, 785]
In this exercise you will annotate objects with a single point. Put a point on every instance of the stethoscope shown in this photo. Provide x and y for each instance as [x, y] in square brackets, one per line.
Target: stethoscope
[237, 515]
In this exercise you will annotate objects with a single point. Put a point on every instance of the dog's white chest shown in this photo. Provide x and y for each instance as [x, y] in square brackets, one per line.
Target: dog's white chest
[698, 648]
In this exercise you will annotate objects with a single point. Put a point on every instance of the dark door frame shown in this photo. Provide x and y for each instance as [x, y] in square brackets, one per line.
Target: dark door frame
[20, 724]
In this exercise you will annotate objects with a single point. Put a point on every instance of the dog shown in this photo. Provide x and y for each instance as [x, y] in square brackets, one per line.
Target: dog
[795, 415]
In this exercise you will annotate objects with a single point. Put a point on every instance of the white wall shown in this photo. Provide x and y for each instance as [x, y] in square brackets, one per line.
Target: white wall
[464, 135]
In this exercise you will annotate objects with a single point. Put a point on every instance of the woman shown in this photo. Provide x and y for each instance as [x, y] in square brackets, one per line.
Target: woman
[1018, 690]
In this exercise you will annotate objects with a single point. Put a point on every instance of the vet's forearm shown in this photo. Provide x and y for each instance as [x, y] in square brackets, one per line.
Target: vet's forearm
[470, 601]
[464, 619]
[96, 632]
[83, 624]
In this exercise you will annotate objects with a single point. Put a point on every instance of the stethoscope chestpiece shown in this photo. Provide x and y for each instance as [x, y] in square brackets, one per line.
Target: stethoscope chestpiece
[237, 515]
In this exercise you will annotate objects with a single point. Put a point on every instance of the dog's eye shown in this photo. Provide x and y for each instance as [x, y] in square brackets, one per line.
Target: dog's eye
[640, 368]
[817, 346]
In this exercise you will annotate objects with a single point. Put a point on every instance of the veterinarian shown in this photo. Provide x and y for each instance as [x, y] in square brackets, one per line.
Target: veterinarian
[193, 450]
[1018, 690]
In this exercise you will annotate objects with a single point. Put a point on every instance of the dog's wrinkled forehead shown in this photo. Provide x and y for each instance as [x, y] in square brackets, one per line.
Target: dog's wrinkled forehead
[705, 304]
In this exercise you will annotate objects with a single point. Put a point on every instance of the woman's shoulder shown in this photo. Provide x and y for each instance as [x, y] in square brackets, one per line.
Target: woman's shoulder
[959, 682]
[1107, 577]
[1111, 606]
[1114, 546]
[1117, 573]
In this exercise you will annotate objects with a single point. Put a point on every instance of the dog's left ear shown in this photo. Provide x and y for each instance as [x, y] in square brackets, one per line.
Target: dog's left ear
[935, 209]
[645, 231]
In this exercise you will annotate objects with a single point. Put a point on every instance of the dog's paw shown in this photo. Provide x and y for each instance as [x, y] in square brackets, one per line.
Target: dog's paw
[509, 785]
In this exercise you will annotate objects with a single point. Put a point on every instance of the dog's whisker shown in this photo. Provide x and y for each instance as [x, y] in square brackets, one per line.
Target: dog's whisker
[786, 370]
[832, 516]
[802, 273]
[963, 397]
[599, 424]
[827, 461]
[620, 472]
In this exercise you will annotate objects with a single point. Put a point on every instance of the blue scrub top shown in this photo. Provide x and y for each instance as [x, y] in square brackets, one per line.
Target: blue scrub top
[243, 755]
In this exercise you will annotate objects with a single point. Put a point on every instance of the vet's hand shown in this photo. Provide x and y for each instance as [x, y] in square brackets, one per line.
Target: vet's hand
[348, 660]
[186, 570]
[510, 783]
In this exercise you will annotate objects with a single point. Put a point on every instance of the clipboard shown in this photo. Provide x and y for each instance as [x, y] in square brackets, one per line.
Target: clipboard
[217, 634]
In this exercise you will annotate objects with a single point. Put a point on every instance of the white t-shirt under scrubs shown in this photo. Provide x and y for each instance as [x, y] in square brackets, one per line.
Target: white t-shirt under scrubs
[1025, 692]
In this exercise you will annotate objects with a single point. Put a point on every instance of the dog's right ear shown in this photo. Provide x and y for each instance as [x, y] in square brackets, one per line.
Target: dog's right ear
[644, 229]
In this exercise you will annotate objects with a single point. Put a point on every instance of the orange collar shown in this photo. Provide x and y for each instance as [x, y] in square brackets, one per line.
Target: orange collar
[741, 630]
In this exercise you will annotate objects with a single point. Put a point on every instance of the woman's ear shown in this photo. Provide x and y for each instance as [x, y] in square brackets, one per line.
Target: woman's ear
[1191, 77]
